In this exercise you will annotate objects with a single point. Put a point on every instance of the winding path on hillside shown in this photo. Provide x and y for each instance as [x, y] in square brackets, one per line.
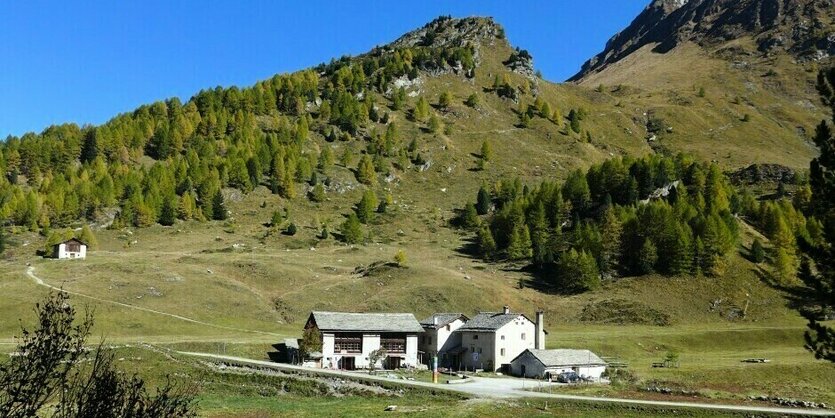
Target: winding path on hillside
[497, 388]
[30, 271]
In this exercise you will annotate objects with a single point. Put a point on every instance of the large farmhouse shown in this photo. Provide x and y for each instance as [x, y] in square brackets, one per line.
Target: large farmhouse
[348, 339]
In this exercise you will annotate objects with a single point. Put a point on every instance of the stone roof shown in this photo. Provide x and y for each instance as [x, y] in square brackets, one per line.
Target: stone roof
[566, 357]
[359, 322]
[441, 319]
[489, 321]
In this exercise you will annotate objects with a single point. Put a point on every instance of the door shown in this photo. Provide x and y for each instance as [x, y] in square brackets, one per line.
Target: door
[523, 371]
[392, 363]
[348, 363]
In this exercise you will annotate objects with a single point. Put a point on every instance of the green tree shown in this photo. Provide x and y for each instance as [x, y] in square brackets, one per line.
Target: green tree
[574, 121]
[469, 218]
[519, 246]
[820, 338]
[757, 251]
[366, 173]
[400, 258]
[168, 212]
[421, 111]
[291, 229]
[219, 212]
[486, 151]
[351, 229]
[311, 342]
[486, 243]
[610, 240]
[88, 237]
[647, 257]
[483, 201]
[576, 272]
[366, 206]
[326, 160]
[434, 124]
[472, 101]
[445, 100]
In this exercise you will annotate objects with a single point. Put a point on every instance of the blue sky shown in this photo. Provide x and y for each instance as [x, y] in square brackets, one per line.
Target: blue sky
[86, 61]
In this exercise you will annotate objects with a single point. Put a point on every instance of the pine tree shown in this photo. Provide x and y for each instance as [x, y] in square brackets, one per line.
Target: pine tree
[486, 243]
[292, 229]
[574, 121]
[820, 338]
[366, 206]
[757, 251]
[317, 194]
[351, 229]
[469, 218]
[483, 201]
[434, 124]
[88, 237]
[445, 100]
[486, 151]
[168, 213]
[647, 257]
[366, 173]
[219, 212]
[421, 111]
[472, 101]
[325, 160]
[519, 245]
[576, 272]
[682, 251]
[610, 239]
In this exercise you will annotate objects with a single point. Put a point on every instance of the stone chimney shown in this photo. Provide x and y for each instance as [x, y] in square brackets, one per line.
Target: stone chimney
[540, 330]
[506, 310]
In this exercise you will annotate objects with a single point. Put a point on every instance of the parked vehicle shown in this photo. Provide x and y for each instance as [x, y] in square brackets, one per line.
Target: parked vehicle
[569, 377]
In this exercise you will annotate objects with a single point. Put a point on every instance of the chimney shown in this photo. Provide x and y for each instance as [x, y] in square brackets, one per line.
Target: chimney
[506, 310]
[540, 330]
[435, 319]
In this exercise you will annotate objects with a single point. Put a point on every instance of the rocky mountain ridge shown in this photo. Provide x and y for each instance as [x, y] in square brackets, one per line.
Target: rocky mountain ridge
[801, 28]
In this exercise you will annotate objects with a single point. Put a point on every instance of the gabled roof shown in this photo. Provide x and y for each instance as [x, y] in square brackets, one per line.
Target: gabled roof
[565, 357]
[441, 319]
[490, 321]
[72, 240]
[359, 322]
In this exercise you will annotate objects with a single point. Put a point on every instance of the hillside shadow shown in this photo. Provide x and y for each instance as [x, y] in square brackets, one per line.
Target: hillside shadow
[798, 297]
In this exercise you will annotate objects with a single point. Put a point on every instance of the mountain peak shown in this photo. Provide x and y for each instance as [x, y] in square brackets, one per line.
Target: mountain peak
[803, 28]
[446, 31]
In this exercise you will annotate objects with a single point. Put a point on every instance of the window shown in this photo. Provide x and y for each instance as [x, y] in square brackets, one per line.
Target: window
[523, 336]
[502, 337]
[502, 352]
[472, 348]
[350, 343]
[479, 350]
[475, 337]
[393, 343]
[448, 327]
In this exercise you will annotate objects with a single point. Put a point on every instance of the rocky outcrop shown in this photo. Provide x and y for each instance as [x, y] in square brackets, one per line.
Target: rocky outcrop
[803, 28]
[446, 32]
[762, 174]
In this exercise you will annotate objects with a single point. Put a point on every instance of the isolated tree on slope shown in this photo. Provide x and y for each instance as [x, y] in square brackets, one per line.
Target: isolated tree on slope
[820, 338]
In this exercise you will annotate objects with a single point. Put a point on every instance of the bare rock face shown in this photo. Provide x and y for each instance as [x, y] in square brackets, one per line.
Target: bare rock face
[803, 28]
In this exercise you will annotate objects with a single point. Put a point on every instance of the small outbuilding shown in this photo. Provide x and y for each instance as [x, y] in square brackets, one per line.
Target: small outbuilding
[70, 249]
[286, 352]
[545, 364]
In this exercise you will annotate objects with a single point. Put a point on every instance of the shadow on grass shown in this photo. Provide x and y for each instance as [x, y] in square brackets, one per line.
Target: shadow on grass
[798, 296]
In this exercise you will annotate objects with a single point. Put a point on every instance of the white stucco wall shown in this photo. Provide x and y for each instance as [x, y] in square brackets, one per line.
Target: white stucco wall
[515, 337]
[64, 254]
[370, 342]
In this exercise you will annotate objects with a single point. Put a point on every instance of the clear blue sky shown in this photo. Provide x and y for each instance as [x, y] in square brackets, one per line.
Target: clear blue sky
[88, 61]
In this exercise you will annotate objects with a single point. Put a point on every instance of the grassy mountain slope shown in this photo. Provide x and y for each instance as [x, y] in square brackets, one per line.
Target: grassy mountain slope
[236, 275]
